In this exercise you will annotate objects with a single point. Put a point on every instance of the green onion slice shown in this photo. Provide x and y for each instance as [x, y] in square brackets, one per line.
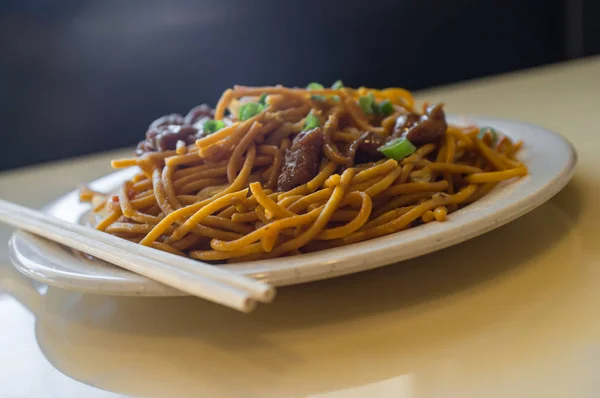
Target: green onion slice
[249, 110]
[311, 122]
[485, 130]
[337, 85]
[263, 99]
[314, 86]
[397, 149]
[386, 108]
[367, 104]
[212, 126]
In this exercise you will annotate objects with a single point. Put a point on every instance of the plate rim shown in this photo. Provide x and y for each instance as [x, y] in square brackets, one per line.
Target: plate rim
[287, 272]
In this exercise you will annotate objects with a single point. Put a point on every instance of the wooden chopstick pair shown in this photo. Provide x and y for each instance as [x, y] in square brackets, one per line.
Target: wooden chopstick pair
[194, 277]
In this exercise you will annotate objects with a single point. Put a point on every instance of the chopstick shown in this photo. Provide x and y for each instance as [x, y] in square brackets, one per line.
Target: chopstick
[193, 277]
[259, 291]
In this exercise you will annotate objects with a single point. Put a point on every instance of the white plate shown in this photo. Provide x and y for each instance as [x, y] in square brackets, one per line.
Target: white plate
[550, 158]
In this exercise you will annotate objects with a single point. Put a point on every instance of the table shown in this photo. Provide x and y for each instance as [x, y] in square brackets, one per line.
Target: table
[510, 313]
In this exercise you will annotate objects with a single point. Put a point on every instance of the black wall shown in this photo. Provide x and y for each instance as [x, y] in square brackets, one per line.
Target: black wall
[85, 76]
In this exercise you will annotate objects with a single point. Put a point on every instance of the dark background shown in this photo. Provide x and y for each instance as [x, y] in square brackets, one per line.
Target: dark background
[84, 76]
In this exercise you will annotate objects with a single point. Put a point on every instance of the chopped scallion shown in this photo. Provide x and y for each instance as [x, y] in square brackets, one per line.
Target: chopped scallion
[337, 85]
[485, 130]
[212, 126]
[249, 110]
[386, 108]
[314, 86]
[263, 99]
[311, 122]
[367, 103]
[397, 149]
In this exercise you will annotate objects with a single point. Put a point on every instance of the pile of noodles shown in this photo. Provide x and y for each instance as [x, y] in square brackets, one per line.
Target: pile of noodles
[217, 198]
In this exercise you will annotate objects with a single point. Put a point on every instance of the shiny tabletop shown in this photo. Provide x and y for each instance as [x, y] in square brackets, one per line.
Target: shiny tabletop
[511, 313]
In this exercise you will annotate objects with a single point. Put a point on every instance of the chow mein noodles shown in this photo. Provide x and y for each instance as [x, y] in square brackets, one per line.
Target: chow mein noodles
[277, 171]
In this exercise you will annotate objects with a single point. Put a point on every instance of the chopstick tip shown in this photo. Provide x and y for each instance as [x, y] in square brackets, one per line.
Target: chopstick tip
[270, 294]
[248, 305]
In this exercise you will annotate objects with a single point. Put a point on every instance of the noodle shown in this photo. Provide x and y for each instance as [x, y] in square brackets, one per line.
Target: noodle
[221, 198]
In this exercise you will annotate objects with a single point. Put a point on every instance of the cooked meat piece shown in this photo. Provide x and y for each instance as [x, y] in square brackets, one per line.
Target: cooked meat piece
[367, 150]
[404, 122]
[370, 144]
[165, 138]
[430, 128]
[143, 147]
[199, 112]
[301, 161]
[167, 120]
[419, 129]
[164, 132]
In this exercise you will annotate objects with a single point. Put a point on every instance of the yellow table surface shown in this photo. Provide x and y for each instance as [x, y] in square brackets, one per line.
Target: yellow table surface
[515, 312]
